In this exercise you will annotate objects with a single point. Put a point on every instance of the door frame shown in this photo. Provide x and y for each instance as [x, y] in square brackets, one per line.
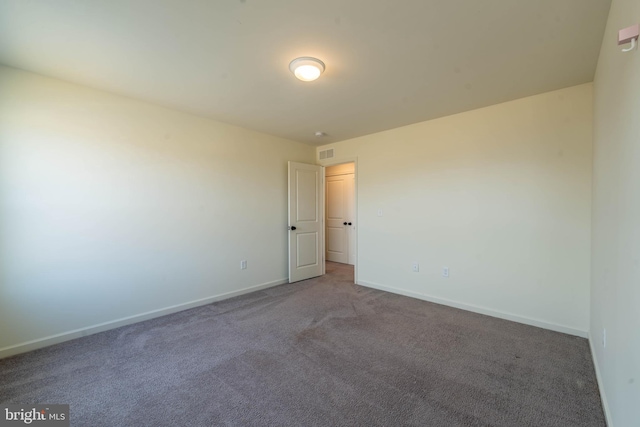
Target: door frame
[334, 162]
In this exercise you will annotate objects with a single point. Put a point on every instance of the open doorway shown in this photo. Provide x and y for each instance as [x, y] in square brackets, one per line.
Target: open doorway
[307, 218]
[340, 214]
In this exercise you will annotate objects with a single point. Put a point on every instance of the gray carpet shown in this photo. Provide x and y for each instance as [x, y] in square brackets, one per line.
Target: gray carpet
[323, 352]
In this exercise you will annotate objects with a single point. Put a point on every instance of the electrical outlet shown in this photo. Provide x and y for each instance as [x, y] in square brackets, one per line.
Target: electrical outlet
[445, 271]
[604, 338]
[416, 267]
[379, 212]
[243, 264]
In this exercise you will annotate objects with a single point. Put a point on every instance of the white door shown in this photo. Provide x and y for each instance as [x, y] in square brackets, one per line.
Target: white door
[306, 205]
[340, 218]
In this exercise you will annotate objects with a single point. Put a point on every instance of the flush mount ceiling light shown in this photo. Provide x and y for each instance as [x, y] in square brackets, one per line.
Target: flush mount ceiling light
[306, 68]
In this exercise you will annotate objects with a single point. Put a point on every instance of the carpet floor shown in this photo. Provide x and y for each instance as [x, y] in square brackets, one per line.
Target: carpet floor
[322, 352]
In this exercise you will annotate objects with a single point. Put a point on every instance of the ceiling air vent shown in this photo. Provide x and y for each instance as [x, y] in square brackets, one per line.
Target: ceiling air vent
[326, 154]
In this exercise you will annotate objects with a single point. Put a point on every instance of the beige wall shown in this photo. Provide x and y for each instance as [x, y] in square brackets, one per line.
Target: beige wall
[615, 293]
[111, 208]
[500, 195]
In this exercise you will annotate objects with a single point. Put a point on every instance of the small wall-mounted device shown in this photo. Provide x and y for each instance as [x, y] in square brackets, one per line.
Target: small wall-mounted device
[629, 34]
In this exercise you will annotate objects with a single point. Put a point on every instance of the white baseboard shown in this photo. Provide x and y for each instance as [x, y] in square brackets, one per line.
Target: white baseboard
[478, 309]
[603, 396]
[82, 332]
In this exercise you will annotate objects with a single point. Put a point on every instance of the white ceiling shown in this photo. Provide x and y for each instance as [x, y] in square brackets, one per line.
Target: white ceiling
[389, 63]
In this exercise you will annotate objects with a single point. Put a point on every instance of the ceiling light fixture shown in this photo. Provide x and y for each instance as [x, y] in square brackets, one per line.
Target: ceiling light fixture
[306, 68]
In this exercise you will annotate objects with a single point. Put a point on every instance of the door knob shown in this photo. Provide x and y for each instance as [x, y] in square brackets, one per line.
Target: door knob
[293, 227]
[349, 223]
[344, 223]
